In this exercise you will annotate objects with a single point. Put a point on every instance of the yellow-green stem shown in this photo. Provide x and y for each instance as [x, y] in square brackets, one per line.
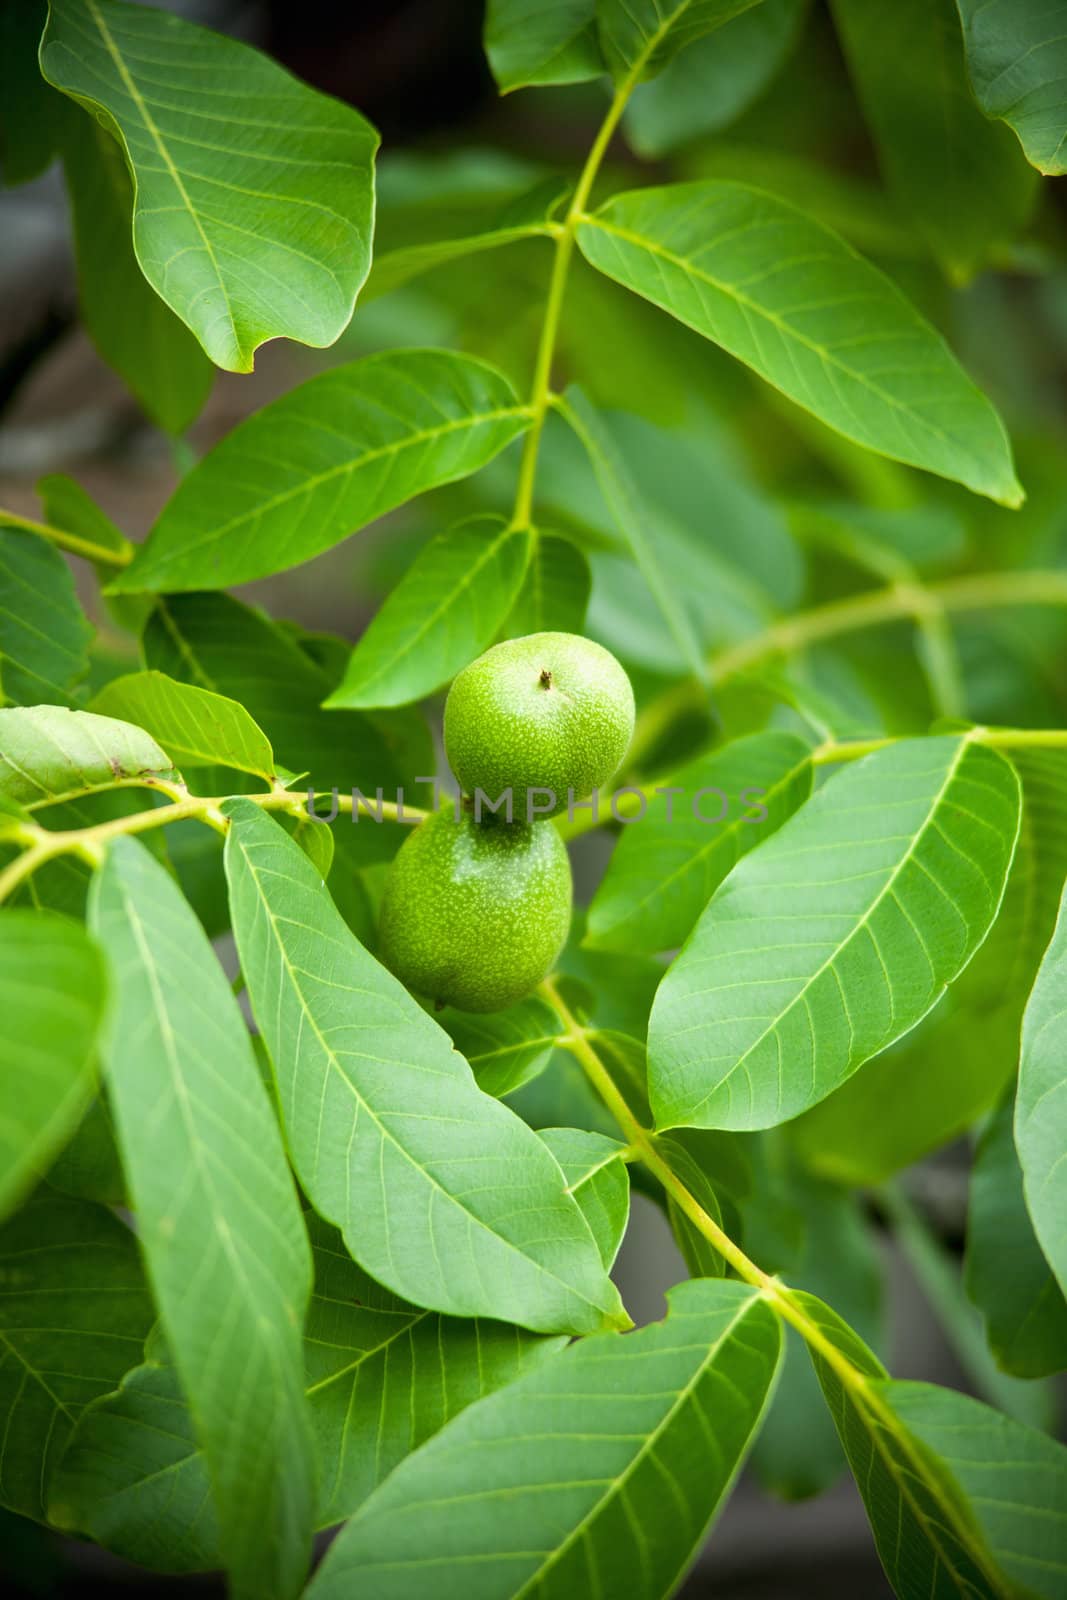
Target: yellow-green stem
[897, 603]
[641, 1142]
[120, 556]
[43, 844]
[541, 392]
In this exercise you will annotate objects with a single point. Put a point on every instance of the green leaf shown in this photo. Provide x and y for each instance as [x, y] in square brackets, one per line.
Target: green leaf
[541, 41]
[218, 644]
[527, 215]
[700, 1255]
[388, 1131]
[666, 867]
[217, 1214]
[382, 1377]
[961, 179]
[1017, 56]
[73, 1318]
[198, 728]
[133, 1479]
[136, 333]
[554, 593]
[598, 1179]
[631, 516]
[44, 636]
[504, 1049]
[962, 1501]
[324, 460]
[253, 194]
[892, 875]
[48, 754]
[51, 998]
[446, 609]
[611, 1459]
[958, 1060]
[1041, 1103]
[714, 80]
[794, 302]
[640, 37]
[1007, 1275]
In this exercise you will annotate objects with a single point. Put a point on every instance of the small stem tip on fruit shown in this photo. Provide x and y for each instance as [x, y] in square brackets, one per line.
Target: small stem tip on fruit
[545, 679]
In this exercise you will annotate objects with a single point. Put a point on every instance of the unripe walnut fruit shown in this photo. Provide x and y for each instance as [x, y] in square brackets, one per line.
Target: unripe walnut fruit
[474, 915]
[550, 711]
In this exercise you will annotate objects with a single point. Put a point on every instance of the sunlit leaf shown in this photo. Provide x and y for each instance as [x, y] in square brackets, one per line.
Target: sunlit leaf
[962, 1500]
[598, 1179]
[48, 754]
[792, 300]
[554, 593]
[197, 727]
[324, 460]
[836, 937]
[612, 1459]
[445, 610]
[254, 194]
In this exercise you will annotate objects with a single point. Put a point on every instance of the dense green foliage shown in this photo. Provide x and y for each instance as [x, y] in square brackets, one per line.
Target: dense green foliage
[781, 429]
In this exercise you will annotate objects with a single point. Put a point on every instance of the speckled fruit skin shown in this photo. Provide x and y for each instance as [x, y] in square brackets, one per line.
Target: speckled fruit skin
[506, 726]
[474, 915]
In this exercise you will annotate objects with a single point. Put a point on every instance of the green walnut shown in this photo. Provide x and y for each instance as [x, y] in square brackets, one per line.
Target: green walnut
[547, 716]
[475, 914]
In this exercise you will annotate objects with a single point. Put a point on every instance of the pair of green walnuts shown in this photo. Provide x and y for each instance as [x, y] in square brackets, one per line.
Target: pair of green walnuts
[476, 907]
